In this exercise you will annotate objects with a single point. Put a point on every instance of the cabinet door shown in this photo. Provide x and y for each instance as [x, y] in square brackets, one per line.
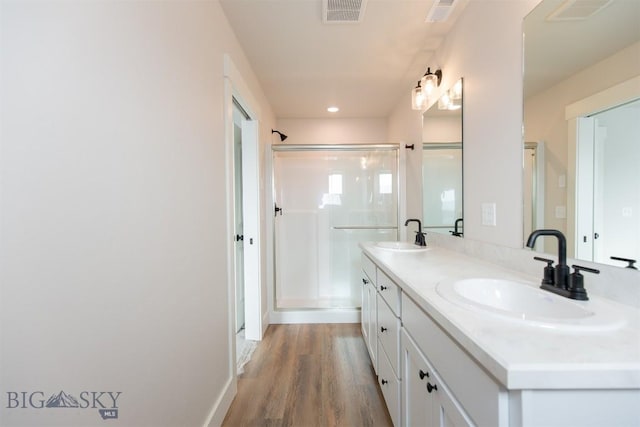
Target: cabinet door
[426, 401]
[417, 406]
[368, 319]
[364, 310]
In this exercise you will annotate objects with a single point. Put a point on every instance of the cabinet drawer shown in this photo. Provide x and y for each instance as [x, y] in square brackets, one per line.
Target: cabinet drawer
[389, 334]
[390, 386]
[483, 399]
[389, 291]
[369, 268]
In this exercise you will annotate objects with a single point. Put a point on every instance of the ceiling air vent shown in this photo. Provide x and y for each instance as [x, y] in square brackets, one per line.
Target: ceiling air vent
[575, 10]
[343, 11]
[440, 10]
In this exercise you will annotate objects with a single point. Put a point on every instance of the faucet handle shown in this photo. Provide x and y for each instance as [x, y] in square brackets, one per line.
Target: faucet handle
[548, 261]
[549, 271]
[578, 268]
[576, 282]
[628, 260]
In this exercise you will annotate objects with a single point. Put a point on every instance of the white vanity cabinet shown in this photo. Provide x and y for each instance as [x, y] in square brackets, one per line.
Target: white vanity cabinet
[439, 366]
[466, 394]
[426, 400]
[369, 310]
[453, 390]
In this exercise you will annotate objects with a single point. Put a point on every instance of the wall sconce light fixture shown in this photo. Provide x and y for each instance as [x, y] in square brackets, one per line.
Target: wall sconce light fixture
[418, 99]
[430, 81]
[282, 135]
[425, 88]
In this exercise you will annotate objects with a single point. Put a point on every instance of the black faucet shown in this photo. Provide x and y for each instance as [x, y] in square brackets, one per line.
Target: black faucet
[420, 236]
[558, 280]
[455, 231]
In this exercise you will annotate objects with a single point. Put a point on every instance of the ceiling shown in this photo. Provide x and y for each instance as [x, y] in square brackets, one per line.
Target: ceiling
[555, 50]
[365, 68]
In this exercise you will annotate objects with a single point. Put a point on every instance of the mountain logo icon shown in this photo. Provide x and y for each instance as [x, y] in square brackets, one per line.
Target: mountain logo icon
[62, 400]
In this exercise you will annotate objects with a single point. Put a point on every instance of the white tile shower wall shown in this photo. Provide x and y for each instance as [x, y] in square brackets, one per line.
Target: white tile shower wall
[615, 283]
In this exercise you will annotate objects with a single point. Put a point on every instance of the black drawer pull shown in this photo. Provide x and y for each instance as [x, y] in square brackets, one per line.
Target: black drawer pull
[382, 329]
[431, 388]
[382, 288]
[384, 381]
[423, 374]
[365, 281]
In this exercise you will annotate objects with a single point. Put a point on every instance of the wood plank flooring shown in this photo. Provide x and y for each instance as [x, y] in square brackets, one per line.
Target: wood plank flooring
[309, 375]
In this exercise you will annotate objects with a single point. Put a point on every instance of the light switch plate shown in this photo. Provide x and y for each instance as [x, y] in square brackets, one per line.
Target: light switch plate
[562, 181]
[489, 214]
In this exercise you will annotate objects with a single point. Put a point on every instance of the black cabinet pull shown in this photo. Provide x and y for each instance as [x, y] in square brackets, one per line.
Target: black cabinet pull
[365, 281]
[423, 374]
[431, 388]
[382, 288]
[383, 381]
[382, 329]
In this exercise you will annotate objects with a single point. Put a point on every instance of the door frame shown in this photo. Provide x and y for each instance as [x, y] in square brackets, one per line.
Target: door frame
[235, 87]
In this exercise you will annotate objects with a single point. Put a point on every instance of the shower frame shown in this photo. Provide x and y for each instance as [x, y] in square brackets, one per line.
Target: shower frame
[325, 315]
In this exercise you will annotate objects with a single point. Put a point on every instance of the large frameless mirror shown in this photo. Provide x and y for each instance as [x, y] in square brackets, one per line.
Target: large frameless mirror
[442, 164]
[582, 127]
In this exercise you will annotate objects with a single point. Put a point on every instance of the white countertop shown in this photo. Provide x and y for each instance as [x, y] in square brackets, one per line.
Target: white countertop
[518, 355]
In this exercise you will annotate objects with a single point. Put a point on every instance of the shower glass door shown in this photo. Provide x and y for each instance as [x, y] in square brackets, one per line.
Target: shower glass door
[328, 199]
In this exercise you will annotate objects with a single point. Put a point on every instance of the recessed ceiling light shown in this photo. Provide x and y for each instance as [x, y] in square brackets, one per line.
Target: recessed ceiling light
[333, 109]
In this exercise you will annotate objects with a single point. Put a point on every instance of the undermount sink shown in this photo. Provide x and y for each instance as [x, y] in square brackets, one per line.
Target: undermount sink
[401, 246]
[527, 303]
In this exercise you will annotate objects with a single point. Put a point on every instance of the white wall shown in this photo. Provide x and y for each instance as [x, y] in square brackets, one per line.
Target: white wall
[113, 264]
[333, 131]
[485, 47]
[405, 127]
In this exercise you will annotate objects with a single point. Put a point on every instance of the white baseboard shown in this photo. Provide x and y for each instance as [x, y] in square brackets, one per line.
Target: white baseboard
[222, 405]
[316, 316]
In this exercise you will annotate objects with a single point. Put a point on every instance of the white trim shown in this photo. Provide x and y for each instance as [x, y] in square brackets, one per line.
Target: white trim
[316, 316]
[223, 403]
[234, 86]
[240, 89]
[619, 94]
[229, 197]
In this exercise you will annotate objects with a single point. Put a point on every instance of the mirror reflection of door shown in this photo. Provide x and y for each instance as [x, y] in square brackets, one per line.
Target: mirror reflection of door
[608, 194]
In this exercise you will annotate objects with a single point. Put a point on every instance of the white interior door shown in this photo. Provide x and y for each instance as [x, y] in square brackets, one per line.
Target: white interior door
[251, 228]
[239, 223]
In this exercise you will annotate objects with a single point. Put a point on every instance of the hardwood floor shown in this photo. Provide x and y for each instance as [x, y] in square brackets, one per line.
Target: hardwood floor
[309, 375]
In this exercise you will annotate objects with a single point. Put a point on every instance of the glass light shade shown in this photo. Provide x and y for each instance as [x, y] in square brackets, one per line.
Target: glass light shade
[456, 90]
[444, 101]
[429, 82]
[417, 98]
[455, 104]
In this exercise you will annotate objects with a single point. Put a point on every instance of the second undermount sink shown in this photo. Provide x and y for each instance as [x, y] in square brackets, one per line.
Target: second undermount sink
[523, 302]
[401, 246]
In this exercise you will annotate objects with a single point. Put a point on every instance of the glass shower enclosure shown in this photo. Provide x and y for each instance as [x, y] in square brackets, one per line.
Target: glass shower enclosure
[328, 198]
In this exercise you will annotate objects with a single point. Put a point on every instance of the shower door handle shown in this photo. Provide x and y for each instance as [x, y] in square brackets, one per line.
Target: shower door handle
[276, 210]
